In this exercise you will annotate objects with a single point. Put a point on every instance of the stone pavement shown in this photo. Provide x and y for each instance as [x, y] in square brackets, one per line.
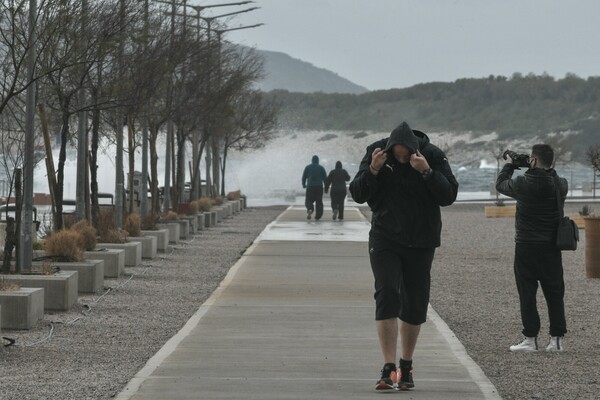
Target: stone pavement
[294, 319]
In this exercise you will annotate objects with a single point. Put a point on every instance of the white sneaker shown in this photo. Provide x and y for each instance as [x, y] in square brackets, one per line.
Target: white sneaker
[528, 344]
[556, 344]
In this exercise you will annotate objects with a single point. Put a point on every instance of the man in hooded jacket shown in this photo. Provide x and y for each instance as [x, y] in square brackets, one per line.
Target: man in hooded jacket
[337, 179]
[404, 179]
[313, 179]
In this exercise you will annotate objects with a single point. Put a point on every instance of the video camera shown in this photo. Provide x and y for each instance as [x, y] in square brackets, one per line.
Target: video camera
[518, 160]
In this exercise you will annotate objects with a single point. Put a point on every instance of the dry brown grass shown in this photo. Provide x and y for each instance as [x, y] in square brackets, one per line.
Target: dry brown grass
[194, 207]
[234, 195]
[133, 224]
[218, 200]
[66, 244]
[171, 216]
[88, 234]
[106, 221]
[204, 204]
[114, 236]
[8, 286]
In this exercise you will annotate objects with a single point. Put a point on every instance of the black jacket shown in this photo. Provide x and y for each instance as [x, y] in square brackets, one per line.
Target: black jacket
[406, 206]
[537, 212]
[337, 179]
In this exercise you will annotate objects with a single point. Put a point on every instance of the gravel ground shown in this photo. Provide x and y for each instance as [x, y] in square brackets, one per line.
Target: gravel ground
[93, 353]
[473, 290]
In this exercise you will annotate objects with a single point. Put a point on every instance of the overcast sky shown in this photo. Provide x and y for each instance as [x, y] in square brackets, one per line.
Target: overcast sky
[382, 44]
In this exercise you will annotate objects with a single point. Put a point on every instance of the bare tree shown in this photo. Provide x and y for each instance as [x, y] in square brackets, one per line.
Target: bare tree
[593, 156]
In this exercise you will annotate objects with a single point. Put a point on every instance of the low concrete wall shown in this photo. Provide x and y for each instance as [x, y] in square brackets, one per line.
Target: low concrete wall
[21, 309]
[148, 245]
[114, 261]
[133, 251]
[200, 222]
[60, 289]
[162, 238]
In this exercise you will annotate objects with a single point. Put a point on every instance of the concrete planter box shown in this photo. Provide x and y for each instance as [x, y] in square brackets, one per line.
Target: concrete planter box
[149, 247]
[200, 222]
[90, 274]
[21, 309]
[114, 261]
[192, 221]
[173, 228]
[207, 218]
[60, 289]
[236, 206]
[184, 229]
[162, 238]
[221, 213]
[133, 251]
[229, 209]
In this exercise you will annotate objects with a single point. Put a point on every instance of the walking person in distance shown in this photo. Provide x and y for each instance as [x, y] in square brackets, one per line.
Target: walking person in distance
[337, 179]
[404, 179]
[537, 259]
[313, 179]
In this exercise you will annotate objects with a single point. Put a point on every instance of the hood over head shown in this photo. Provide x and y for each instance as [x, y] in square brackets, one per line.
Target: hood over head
[405, 136]
[338, 164]
[315, 159]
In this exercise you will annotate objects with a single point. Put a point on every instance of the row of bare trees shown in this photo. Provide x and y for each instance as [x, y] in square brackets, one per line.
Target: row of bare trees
[107, 66]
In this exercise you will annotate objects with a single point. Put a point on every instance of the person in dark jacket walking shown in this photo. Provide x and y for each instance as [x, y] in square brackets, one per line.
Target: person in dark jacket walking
[404, 179]
[537, 259]
[337, 179]
[313, 179]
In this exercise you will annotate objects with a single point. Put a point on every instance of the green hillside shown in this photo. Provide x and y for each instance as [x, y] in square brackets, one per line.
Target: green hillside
[519, 106]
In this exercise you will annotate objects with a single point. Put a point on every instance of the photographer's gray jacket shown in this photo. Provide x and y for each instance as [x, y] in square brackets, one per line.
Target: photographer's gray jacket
[406, 206]
[537, 215]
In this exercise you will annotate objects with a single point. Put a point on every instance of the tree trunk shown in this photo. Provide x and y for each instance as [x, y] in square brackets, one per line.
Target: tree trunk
[154, 169]
[60, 175]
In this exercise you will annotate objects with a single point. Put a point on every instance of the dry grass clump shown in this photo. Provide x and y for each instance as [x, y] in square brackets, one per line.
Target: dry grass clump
[114, 236]
[194, 207]
[8, 286]
[235, 195]
[88, 234]
[106, 221]
[171, 216]
[66, 244]
[218, 200]
[204, 204]
[133, 224]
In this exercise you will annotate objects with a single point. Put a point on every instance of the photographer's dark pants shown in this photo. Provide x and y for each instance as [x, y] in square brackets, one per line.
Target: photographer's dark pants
[540, 263]
[402, 280]
[337, 201]
[314, 194]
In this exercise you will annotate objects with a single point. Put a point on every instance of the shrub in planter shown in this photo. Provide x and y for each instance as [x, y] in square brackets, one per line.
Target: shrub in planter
[204, 204]
[106, 221]
[194, 207]
[114, 236]
[133, 224]
[8, 286]
[235, 195]
[171, 216]
[217, 200]
[65, 244]
[87, 233]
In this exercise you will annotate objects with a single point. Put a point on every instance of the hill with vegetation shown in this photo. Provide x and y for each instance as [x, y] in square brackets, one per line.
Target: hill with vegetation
[513, 108]
[288, 73]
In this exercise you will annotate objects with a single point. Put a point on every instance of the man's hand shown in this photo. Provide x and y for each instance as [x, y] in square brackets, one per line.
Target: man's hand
[418, 162]
[377, 160]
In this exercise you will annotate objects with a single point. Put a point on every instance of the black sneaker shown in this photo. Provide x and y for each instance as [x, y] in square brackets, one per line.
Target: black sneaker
[388, 378]
[309, 214]
[405, 379]
[335, 213]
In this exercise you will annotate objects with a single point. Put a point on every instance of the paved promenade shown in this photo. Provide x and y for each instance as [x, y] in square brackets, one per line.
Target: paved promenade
[294, 319]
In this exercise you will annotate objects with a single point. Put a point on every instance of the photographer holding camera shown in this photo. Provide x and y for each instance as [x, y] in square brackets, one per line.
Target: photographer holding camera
[537, 259]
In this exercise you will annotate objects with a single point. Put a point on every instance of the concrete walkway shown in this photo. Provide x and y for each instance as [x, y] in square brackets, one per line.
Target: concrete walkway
[294, 319]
